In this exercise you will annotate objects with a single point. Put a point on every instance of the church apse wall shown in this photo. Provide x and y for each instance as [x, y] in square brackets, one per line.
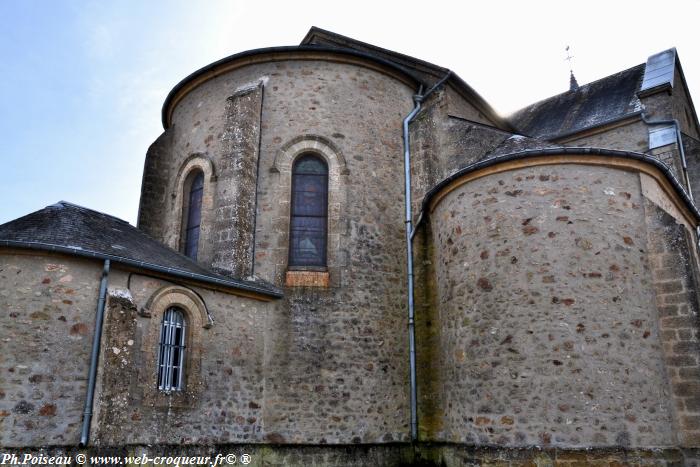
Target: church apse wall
[334, 364]
[549, 323]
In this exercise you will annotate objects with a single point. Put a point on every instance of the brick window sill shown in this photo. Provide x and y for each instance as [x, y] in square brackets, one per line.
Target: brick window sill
[301, 278]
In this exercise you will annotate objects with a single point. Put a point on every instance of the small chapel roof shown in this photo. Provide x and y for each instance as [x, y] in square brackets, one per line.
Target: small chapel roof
[71, 229]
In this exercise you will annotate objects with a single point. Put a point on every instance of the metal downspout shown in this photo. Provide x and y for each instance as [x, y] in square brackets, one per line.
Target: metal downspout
[417, 99]
[679, 142]
[97, 337]
[409, 261]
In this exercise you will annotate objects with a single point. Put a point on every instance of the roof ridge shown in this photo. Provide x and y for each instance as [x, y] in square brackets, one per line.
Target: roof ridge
[78, 206]
[329, 35]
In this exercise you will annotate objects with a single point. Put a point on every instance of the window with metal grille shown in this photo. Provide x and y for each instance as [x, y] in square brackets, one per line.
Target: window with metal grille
[194, 215]
[171, 358]
[309, 212]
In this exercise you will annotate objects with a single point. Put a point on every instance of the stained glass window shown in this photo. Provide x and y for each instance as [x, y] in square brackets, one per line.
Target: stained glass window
[307, 236]
[194, 215]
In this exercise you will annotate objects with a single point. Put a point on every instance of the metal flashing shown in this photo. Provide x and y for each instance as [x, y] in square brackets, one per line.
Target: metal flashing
[662, 136]
[659, 70]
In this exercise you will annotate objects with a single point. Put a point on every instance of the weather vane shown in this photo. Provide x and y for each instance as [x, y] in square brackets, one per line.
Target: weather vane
[573, 84]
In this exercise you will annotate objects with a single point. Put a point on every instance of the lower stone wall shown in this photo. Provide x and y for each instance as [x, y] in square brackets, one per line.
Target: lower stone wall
[548, 324]
[222, 400]
[396, 454]
[47, 308]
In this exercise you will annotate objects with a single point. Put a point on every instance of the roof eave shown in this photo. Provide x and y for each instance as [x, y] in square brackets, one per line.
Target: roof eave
[212, 68]
[564, 151]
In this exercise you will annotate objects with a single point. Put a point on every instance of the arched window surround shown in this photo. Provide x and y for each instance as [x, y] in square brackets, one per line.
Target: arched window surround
[193, 192]
[274, 265]
[174, 235]
[196, 319]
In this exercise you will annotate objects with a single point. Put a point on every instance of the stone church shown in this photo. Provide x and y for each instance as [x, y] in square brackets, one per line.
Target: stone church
[530, 299]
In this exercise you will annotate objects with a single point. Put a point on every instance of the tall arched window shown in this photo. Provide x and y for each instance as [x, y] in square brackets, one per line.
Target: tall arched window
[309, 212]
[193, 212]
[171, 355]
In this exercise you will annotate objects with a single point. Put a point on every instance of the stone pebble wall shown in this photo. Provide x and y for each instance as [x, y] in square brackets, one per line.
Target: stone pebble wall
[335, 367]
[631, 137]
[336, 363]
[682, 107]
[549, 329]
[154, 186]
[47, 309]
[692, 155]
[396, 455]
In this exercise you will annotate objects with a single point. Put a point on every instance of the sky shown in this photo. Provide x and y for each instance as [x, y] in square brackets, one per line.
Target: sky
[82, 82]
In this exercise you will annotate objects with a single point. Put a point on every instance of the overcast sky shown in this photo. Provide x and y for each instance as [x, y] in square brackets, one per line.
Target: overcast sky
[82, 82]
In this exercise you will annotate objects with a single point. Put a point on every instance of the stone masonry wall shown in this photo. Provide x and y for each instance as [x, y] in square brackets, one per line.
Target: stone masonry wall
[631, 137]
[389, 455]
[441, 143]
[549, 329]
[223, 397]
[674, 270]
[459, 107]
[692, 155]
[335, 367]
[682, 107]
[238, 167]
[47, 308]
[156, 173]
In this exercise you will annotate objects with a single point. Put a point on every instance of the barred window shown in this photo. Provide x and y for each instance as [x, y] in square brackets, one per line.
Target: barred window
[193, 210]
[171, 359]
[309, 212]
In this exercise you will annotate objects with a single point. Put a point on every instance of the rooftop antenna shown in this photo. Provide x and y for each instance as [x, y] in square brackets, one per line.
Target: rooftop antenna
[573, 84]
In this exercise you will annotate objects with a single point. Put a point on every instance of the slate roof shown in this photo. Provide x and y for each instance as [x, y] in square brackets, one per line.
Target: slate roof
[73, 229]
[606, 100]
